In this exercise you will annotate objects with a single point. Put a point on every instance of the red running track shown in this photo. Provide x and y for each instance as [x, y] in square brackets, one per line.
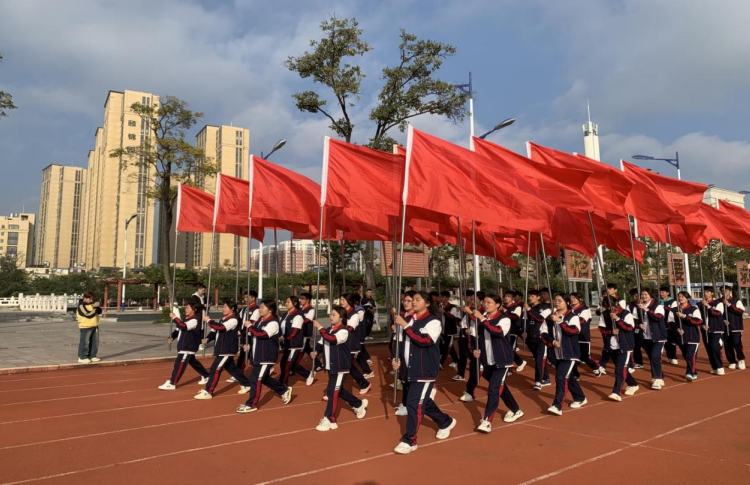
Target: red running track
[111, 425]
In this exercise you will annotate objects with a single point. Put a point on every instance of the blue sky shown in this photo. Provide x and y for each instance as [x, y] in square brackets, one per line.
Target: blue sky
[661, 75]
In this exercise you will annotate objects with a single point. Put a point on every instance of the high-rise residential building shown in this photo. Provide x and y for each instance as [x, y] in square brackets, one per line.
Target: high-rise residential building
[297, 256]
[227, 146]
[116, 189]
[59, 235]
[713, 195]
[17, 238]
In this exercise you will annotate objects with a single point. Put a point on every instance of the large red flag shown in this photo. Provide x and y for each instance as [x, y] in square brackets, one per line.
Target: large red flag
[721, 225]
[736, 213]
[607, 188]
[195, 210]
[452, 180]
[687, 236]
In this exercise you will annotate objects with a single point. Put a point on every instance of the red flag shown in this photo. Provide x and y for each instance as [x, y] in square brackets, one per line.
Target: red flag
[721, 225]
[618, 238]
[687, 236]
[195, 210]
[449, 179]
[736, 213]
[607, 188]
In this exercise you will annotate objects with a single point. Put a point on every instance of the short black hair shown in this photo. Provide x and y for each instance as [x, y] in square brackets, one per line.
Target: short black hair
[611, 286]
[252, 293]
[201, 286]
[306, 295]
[445, 293]
[469, 293]
[271, 305]
[633, 291]
[664, 288]
[480, 295]
[708, 288]
[534, 292]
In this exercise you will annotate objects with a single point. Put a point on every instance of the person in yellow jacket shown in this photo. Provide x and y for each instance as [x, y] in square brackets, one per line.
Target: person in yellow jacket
[88, 314]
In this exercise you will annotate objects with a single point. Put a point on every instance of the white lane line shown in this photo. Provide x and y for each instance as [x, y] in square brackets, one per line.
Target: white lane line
[76, 385]
[86, 396]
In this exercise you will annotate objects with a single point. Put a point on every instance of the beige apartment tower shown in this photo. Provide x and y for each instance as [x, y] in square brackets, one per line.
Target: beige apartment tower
[17, 238]
[115, 191]
[59, 237]
[227, 146]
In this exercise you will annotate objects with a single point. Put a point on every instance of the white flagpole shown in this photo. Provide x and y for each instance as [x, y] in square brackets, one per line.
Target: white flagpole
[211, 258]
[323, 187]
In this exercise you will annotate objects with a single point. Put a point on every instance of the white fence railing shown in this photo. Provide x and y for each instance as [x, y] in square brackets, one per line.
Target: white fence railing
[41, 303]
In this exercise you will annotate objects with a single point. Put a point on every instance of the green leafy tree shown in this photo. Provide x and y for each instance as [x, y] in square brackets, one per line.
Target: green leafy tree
[169, 160]
[12, 279]
[409, 88]
[6, 100]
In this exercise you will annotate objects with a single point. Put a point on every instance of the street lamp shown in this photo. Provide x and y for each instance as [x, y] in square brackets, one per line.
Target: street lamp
[125, 257]
[499, 126]
[276, 147]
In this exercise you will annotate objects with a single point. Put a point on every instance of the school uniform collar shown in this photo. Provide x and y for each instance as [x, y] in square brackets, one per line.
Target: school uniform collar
[422, 315]
[337, 327]
[267, 319]
[493, 316]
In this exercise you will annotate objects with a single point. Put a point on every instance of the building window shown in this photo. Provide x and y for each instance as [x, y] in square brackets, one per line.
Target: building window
[238, 138]
[13, 238]
[12, 252]
[24, 218]
[131, 123]
[131, 136]
[13, 226]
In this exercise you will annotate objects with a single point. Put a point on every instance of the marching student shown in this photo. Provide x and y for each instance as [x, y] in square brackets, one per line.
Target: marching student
[225, 348]
[634, 309]
[495, 351]
[713, 309]
[546, 298]
[562, 338]
[670, 305]
[248, 316]
[188, 334]
[514, 311]
[688, 321]
[371, 311]
[578, 307]
[450, 314]
[420, 359]
[338, 361]
[407, 314]
[363, 358]
[353, 320]
[264, 350]
[308, 312]
[654, 331]
[471, 323]
[621, 345]
[292, 341]
[462, 340]
[734, 327]
[605, 324]
[537, 313]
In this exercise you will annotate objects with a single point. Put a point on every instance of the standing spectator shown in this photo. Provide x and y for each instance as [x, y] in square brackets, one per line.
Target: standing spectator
[371, 309]
[88, 314]
[199, 298]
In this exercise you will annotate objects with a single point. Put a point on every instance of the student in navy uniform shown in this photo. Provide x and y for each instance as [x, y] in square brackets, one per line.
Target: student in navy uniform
[353, 321]
[546, 298]
[264, 350]
[713, 309]
[471, 323]
[514, 311]
[248, 316]
[371, 311]
[561, 337]
[188, 335]
[407, 314]
[225, 348]
[734, 327]
[536, 314]
[578, 307]
[621, 345]
[633, 308]
[462, 339]
[605, 324]
[420, 359]
[308, 312]
[654, 330]
[450, 316]
[337, 362]
[688, 320]
[292, 341]
[670, 305]
[496, 354]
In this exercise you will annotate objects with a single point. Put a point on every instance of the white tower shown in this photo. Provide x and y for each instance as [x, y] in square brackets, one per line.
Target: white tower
[591, 138]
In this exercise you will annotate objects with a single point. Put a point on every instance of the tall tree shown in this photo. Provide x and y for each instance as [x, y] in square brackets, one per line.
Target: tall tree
[6, 100]
[170, 160]
[409, 89]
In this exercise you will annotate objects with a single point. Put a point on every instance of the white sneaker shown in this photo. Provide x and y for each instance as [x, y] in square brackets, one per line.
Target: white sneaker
[231, 380]
[674, 361]
[638, 366]
[369, 376]
[720, 371]
[244, 409]
[631, 369]
[511, 417]
[452, 364]
[689, 378]
[602, 371]
[444, 433]
[615, 397]
[393, 372]
[458, 378]
[84, 361]
[732, 366]
[433, 393]
[631, 390]
[244, 390]
[326, 425]
[578, 404]
[485, 426]
[369, 362]
[401, 410]
[521, 367]
[554, 410]
[537, 386]
[203, 381]
[546, 383]
[287, 396]
[310, 380]
[95, 359]
[168, 386]
[361, 411]
[364, 391]
[714, 371]
[741, 365]
[325, 397]
[404, 448]
[466, 397]
[203, 394]
[399, 386]
[481, 368]
[656, 385]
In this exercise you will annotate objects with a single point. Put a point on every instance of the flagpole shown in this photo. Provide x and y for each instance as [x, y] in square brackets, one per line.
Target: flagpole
[400, 279]
[388, 291]
[497, 270]
[343, 262]
[564, 269]
[276, 265]
[723, 284]
[476, 289]
[672, 273]
[249, 248]
[636, 269]
[546, 268]
[330, 279]
[237, 254]
[526, 293]
[599, 261]
[174, 275]
[317, 288]
[207, 310]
